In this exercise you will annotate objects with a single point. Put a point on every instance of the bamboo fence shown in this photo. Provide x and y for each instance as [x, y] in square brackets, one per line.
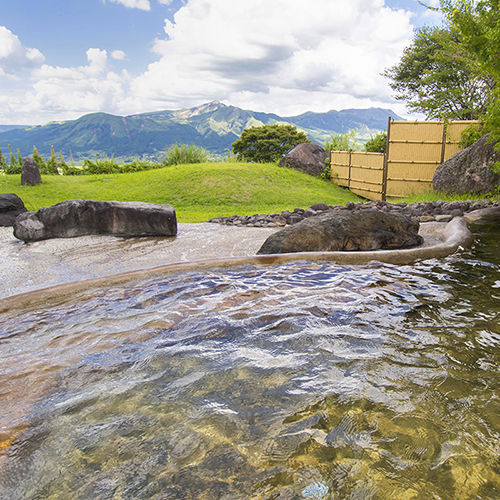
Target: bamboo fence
[413, 152]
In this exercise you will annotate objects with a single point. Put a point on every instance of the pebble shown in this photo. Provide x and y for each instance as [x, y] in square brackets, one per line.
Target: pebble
[427, 211]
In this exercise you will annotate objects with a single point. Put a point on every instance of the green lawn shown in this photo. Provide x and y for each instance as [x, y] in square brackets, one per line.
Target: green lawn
[197, 192]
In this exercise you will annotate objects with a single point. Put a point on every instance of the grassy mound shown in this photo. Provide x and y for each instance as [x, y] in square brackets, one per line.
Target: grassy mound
[197, 192]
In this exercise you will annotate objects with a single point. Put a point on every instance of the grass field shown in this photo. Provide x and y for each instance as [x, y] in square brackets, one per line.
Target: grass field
[196, 192]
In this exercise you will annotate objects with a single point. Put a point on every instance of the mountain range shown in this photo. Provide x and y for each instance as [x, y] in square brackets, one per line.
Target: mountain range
[213, 126]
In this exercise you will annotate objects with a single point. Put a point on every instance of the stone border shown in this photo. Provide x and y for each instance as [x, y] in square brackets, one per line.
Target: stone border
[456, 235]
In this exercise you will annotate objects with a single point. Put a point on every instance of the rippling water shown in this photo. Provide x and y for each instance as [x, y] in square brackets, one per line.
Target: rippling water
[305, 380]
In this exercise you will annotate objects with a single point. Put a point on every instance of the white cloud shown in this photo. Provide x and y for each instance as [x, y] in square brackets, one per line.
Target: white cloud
[134, 4]
[14, 57]
[279, 56]
[119, 55]
[320, 52]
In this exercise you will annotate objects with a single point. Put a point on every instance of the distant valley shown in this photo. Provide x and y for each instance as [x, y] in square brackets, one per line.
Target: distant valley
[213, 126]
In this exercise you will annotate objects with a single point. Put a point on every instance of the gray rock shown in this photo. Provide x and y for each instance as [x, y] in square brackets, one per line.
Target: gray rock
[30, 173]
[345, 231]
[469, 170]
[83, 217]
[10, 207]
[307, 157]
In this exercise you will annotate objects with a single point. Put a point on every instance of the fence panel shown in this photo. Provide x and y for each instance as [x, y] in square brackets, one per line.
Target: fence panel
[367, 173]
[414, 150]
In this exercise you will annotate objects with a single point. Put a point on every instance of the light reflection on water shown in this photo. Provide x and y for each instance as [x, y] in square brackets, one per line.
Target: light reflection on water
[305, 380]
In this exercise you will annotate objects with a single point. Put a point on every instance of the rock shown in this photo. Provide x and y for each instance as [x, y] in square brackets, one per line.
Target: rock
[10, 207]
[484, 216]
[30, 173]
[345, 231]
[469, 170]
[83, 217]
[307, 157]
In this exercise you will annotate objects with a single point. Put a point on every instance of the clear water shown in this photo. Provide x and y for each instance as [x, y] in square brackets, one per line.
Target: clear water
[306, 380]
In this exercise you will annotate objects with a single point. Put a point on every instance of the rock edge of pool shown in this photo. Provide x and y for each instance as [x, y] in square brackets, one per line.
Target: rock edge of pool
[76, 265]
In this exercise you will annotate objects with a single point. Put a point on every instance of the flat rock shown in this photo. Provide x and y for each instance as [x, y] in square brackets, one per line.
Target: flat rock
[86, 217]
[10, 207]
[345, 231]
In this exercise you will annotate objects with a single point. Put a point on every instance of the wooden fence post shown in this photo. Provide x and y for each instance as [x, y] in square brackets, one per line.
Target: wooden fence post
[349, 180]
[386, 161]
[443, 148]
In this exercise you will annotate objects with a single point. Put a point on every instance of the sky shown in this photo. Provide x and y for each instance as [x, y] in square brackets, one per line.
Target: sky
[61, 59]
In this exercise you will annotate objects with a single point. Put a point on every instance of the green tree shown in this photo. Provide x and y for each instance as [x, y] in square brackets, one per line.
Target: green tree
[344, 141]
[39, 160]
[478, 24]
[440, 79]
[52, 163]
[268, 143]
[377, 143]
[3, 164]
[13, 167]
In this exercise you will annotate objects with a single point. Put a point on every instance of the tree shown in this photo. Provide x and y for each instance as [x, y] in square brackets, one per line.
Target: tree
[13, 167]
[39, 160]
[377, 143]
[342, 142]
[440, 79]
[3, 163]
[52, 163]
[268, 143]
[478, 24]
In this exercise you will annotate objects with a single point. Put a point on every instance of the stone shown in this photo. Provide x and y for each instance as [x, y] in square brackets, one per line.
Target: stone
[84, 217]
[469, 171]
[363, 230]
[10, 207]
[307, 157]
[30, 173]
[489, 215]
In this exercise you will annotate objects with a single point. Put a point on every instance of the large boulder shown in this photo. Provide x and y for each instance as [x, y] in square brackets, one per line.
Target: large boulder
[345, 230]
[30, 173]
[83, 217]
[10, 207]
[469, 171]
[307, 157]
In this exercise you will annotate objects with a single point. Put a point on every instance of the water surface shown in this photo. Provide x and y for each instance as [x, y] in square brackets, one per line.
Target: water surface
[304, 380]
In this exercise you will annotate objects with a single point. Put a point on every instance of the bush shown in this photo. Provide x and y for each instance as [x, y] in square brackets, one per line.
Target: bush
[471, 135]
[268, 143]
[185, 154]
[377, 143]
[342, 142]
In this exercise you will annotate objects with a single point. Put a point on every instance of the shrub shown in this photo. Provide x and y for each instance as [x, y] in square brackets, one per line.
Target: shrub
[185, 154]
[342, 142]
[268, 143]
[377, 143]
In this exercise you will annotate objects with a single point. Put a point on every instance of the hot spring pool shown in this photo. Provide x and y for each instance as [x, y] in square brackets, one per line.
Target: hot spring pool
[304, 380]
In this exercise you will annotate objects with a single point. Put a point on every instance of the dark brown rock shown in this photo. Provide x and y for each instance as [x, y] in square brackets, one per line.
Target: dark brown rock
[83, 217]
[10, 207]
[307, 157]
[30, 173]
[469, 170]
[345, 231]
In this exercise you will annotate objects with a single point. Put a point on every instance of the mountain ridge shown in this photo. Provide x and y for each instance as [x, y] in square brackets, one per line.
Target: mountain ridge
[213, 126]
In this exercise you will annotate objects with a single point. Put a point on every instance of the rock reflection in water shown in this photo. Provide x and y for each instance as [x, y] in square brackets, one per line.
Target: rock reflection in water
[279, 382]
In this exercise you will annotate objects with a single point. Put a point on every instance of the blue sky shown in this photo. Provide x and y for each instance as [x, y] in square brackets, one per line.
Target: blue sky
[60, 59]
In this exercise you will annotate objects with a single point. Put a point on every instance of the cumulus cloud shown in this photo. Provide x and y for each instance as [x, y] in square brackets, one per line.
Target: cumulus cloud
[119, 55]
[322, 51]
[280, 56]
[14, 57]
[134, 4]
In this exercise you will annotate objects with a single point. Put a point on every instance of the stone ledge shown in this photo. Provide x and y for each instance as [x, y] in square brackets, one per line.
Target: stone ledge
[440, 242]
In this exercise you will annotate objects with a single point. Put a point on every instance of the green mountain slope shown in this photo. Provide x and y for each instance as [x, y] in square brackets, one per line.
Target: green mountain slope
[213, 126]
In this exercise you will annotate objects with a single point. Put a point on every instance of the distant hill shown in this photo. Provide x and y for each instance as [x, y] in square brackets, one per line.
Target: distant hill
[213, 126]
